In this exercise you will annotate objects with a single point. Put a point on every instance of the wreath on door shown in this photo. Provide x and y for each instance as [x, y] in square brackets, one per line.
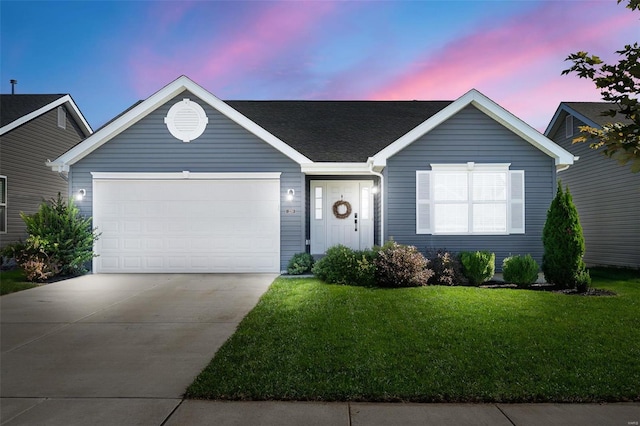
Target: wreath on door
[336, 209]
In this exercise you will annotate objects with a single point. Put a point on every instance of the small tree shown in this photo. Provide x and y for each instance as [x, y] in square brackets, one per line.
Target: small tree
[563, 242]
[59, 238]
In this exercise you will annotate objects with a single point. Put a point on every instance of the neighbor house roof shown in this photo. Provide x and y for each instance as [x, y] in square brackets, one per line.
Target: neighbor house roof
[589, 113]
[324, 136]
[16, 110]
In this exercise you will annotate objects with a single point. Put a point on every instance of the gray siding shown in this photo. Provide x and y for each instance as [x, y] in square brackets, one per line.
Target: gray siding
[607, 196]
[225, 147]
[470, 135]
[23, 153]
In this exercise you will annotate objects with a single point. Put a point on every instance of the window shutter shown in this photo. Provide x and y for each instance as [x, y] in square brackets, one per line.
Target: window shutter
[423, 202]
[516, 202]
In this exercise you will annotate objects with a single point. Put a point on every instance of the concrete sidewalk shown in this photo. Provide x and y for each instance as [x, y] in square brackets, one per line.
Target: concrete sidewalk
[173, 412]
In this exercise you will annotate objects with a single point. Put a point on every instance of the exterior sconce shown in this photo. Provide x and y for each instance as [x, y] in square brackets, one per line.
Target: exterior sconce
[290, 194]
[374, 189]
[80, 194]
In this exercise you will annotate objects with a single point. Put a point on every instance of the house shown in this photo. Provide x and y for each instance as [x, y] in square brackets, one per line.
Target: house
[186, 182]
[606, 194]
[33, 129]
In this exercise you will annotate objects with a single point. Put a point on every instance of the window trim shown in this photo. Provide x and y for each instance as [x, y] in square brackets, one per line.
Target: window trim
[568, 126]
[3, 203]
[62, 117]
[514, 202]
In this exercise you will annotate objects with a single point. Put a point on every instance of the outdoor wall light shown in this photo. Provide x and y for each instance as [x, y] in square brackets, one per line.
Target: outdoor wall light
[374, 189]
[290, 194]
[80, 194]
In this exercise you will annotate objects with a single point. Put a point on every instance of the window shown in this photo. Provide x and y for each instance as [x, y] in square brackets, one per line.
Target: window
[318, 203]
[62, 117]
[568, 126]
[3, 204]
[470, 198]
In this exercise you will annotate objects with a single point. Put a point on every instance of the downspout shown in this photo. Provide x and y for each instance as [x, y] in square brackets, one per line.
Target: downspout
[381, 192]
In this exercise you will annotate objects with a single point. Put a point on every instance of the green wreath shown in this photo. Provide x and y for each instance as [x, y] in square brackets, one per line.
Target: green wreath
[336, 207]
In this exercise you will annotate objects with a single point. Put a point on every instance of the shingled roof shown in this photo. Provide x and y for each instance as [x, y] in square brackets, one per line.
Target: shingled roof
[594, 110]
[12, 107]
[344, 131]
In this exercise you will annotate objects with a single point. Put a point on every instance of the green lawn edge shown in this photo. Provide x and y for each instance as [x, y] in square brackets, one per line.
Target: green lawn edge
[310, 341]
[14, 280]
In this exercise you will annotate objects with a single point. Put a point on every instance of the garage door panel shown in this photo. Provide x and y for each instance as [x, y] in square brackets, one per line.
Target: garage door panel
[205, 226]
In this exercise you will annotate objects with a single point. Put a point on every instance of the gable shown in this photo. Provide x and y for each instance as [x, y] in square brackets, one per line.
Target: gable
[148, 144]
[561, 157]
[138, 112]
[16, 110]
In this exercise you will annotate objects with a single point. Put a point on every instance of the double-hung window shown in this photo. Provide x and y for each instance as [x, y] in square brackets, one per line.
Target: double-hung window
[462, 199]
[3, 204]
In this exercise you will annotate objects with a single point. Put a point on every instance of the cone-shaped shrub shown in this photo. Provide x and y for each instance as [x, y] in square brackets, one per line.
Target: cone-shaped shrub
[563, 242]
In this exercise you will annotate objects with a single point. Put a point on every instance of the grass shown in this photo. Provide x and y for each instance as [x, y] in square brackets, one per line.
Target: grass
[306, 340]
[14, 280]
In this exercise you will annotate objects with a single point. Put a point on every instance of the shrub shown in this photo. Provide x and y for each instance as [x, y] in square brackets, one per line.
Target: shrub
[447, 269]
[300, 263]
[401, 266]
[342, 265]
[520, 270]
[60, 241]
[563, 242]
[478, 266]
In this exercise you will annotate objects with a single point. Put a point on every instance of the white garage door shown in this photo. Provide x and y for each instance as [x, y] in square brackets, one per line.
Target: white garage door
[187, 222]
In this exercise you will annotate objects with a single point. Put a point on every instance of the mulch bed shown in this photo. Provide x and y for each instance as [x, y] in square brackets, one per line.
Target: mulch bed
[551, 287]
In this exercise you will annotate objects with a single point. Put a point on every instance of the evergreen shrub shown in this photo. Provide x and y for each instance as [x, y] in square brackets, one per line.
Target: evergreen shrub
[520, 270]
[300, 263]
[478, 266]
[563, 242]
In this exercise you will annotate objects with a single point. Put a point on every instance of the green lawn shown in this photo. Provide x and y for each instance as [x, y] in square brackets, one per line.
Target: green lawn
[307, 340]
[12, 281]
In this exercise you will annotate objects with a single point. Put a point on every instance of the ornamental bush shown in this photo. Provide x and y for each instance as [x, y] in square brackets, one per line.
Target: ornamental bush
[478, 266]
[446, 266]
[401, 266]
[342, 265]
[520, 270]
[300, 263]
[60, 241]
[563, 243]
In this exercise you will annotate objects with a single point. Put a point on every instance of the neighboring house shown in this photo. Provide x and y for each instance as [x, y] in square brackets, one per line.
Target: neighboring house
[186, 182]
[33, 130]
[606, 194]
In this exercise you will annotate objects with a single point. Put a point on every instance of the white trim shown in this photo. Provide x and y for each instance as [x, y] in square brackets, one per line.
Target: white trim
[473, 97]
[183, 175]
[470, 169]
[153, 102]
[75, 112]
[342, 169]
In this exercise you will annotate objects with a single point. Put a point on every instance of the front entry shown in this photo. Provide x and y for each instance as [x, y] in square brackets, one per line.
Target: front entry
[341, 213]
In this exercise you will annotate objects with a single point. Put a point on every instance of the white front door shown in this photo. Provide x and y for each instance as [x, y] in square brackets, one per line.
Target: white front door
[341, 213]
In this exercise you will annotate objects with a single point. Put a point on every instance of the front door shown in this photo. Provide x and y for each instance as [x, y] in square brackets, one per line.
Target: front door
[341, 213]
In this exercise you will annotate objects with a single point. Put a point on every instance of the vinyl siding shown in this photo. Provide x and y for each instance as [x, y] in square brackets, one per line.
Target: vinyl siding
[225, 147]
[607, 196]
[470, 135]
[23, 153]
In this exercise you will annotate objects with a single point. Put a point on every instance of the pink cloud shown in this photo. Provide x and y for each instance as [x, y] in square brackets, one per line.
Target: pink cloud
[221, 57]
[526, 50]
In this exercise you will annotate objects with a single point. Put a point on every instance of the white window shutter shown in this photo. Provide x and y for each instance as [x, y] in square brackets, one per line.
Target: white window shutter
[423, 203]
[516, 202]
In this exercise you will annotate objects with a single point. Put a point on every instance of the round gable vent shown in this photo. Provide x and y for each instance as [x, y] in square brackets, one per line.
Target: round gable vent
[186, 120]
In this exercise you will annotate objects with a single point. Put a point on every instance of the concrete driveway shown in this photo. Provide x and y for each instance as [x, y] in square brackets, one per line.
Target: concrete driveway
[114, 349]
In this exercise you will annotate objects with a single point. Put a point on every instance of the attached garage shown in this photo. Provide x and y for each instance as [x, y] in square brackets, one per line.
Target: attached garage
[187, 222]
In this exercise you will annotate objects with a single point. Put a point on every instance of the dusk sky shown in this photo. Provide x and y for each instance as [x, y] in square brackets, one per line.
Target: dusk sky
[110, 54]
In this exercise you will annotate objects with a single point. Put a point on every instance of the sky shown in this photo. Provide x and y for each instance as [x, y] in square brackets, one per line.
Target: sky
[110, 54]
